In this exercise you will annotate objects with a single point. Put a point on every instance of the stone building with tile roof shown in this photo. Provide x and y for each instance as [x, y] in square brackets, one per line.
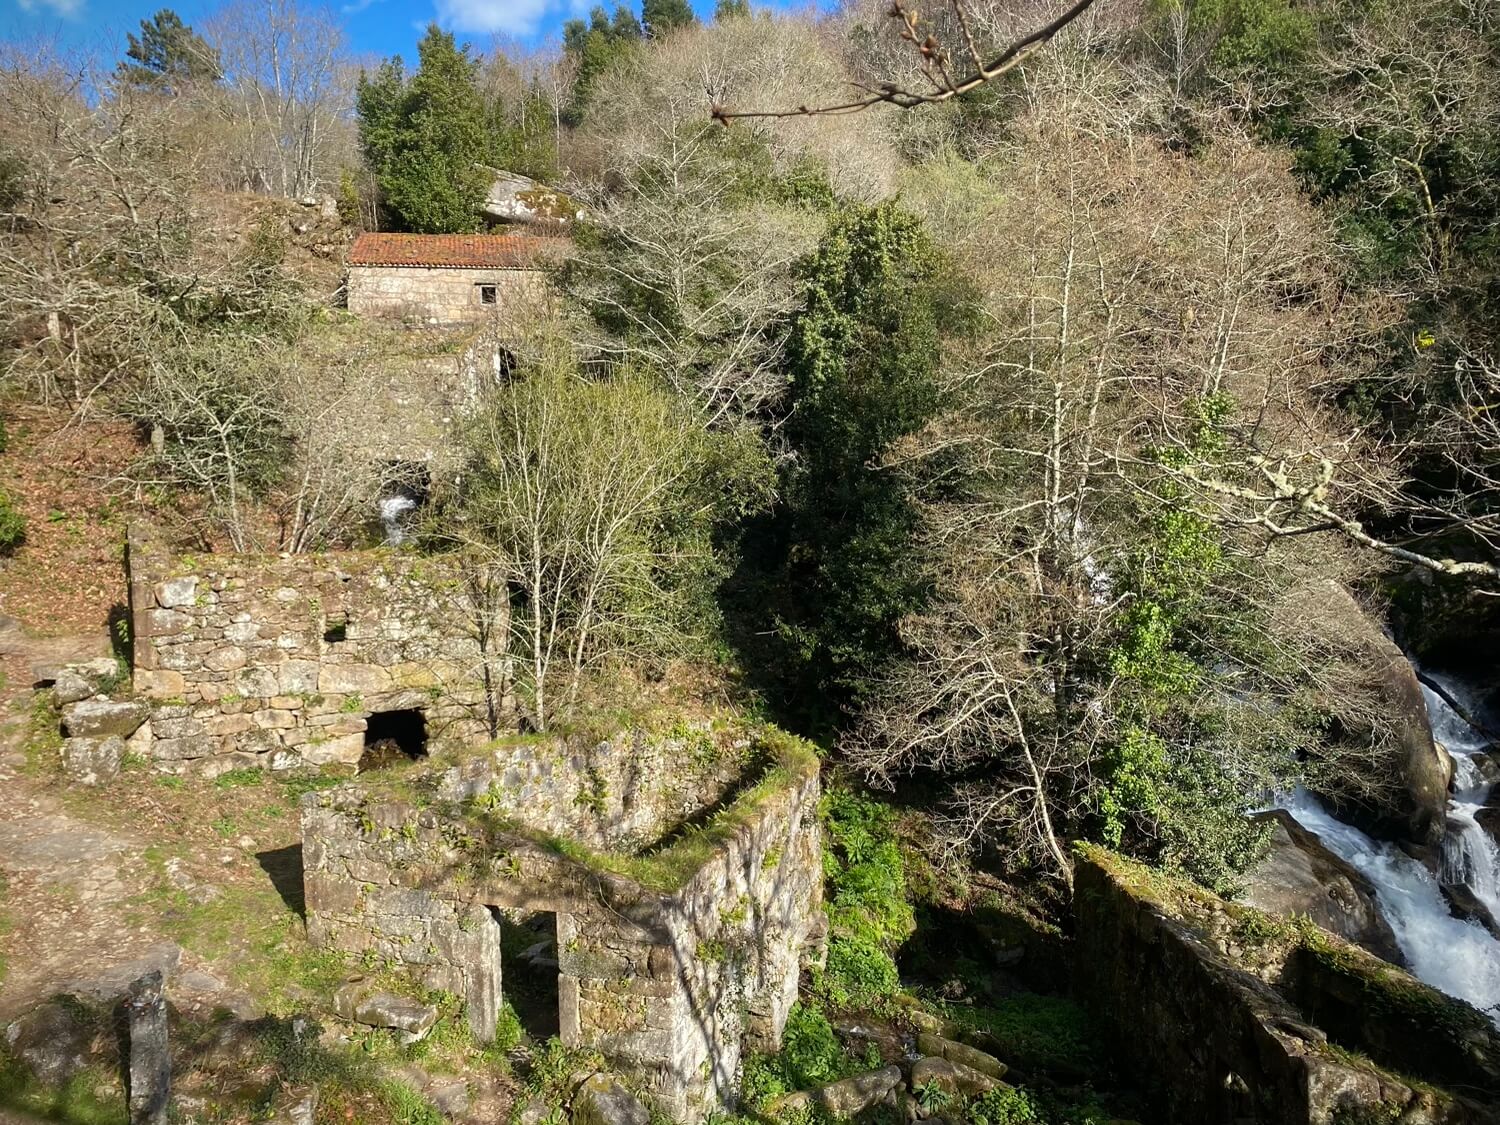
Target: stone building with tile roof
[444, 278]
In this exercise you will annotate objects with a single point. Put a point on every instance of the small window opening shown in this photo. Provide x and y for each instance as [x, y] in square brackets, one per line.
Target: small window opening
[528, 968]
[392, 737]
[337, 630]
[489, 294]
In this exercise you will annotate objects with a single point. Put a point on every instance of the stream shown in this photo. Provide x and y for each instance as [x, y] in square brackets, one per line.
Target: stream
[1459, 957]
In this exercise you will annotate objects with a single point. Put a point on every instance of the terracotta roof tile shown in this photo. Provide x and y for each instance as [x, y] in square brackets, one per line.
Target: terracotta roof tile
[452, 251]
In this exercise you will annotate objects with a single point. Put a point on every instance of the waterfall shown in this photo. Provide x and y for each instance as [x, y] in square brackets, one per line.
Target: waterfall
[393, 510]
[1459, 957]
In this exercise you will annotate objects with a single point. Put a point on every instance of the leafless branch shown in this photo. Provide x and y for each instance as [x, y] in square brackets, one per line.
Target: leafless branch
[934, 64]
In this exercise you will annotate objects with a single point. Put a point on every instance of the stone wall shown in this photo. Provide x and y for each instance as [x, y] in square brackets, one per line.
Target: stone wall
[670, 961]
[281, 660]
[1203, 1002]
[432, 295]
[621, 793]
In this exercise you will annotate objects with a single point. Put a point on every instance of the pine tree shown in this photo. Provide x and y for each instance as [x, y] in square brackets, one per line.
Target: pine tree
[426, 138]
[594, 47]
[731, 10]
[662, 17]
[169, 56]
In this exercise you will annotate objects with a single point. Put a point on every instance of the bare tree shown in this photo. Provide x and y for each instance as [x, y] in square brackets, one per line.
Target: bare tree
[286, 94]
[1143, 312]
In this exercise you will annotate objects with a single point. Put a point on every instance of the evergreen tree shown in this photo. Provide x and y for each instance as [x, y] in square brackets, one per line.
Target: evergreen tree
[426, 138]
[662, 17]
[732, 10]
[594, 47]
[169, 56]
[863, 357]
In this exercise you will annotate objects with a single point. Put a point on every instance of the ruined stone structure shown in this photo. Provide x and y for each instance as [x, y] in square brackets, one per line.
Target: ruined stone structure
[444, 278]
[683, 870]
[276, 661]
[1229, 1015]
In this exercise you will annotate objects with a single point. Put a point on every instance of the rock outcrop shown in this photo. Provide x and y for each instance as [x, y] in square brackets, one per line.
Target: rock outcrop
[1390, 718]
[1300, 876]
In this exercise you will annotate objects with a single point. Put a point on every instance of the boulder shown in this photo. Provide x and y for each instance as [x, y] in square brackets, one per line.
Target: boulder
[55, 1040]
[114, 981]
[1300, 876]
[410, 1019]
[98, 718]
[954, 1079]
[1415, 809]
[93, 761]
[962, 1053]
[601, 1100]
[843, 1099]
[296, 1105]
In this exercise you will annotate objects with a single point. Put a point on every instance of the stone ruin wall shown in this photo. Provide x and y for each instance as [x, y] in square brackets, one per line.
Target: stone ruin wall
[620, 794]
[241, 659]
[436, 295]
[670, 986]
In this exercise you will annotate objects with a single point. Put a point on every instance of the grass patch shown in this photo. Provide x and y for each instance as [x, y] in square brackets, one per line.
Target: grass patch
[44, 740]
[93, 1096]
[238, 779]
[1038, 1033]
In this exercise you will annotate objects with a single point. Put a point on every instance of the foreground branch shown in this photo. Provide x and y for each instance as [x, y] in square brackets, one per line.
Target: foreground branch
[935, 61]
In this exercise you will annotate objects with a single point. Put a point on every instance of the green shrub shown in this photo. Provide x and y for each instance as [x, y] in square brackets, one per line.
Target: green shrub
[810, 1056]
[868, 912]
[860, 974]
[1005, 1106]
[12, 525]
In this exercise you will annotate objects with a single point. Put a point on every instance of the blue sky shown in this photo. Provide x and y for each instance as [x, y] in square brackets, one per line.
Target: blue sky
[374, 27]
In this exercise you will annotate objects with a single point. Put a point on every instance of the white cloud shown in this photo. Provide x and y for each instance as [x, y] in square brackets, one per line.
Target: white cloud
[68, 9]
[506, 17]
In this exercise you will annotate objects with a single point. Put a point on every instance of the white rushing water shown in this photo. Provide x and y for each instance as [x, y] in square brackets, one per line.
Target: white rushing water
[1458, 957]
[1461, 958]
[392, 512]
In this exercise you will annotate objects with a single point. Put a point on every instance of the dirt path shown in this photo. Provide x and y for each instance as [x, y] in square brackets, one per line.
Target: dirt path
[69, 885]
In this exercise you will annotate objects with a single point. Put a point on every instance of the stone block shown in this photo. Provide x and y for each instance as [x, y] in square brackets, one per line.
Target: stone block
[330, 893]
[349, 679]
[160, 683]
[962, 1053]
[149, 1064]
[223, 763]
[346, 749]
[298, 677]
[953, 1078]
[93, 761]
[271, 719]
[410, 1019]
[183, 749]
[602, 1100]
[260, 683]
[175, 592]
[225, 658]
[166, 622]
[242, 632]
[230, 724]
[101, 717]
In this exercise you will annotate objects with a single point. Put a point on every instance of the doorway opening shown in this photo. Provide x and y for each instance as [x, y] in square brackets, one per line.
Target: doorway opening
[528, 968]
[392, 737]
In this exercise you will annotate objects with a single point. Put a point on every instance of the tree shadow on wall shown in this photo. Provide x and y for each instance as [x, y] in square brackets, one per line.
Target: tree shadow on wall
[284, 866]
